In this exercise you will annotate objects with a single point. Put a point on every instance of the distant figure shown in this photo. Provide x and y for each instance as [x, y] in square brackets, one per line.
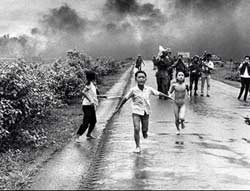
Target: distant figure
[180, 90]
[164, 71]
[139, 62]
[231, 63]
[179, 65]
[206, 68]
[195, 74]
[245, 77]
[140, 95]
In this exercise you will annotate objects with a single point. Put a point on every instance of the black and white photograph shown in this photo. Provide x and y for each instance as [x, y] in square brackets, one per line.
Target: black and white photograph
[124, 95]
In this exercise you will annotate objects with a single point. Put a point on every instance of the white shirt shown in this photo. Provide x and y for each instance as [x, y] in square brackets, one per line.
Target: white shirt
[90, 91]
[140, 99]
[205, 69]
[245, 74]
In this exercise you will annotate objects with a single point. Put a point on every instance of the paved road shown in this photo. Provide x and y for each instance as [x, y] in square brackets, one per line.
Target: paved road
[211, 153]
[67, 168]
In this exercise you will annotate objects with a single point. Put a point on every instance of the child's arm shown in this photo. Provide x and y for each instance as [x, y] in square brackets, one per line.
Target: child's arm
[172, 89]
[158, 93]
[124, 100]
[164, 95]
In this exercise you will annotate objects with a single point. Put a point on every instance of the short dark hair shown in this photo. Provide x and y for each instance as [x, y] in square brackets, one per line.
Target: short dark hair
[90, 75]
[140, 71]
[247, 57]
[179, 72]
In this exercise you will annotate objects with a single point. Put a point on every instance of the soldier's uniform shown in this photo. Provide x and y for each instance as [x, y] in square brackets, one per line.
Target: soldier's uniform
[163, 74]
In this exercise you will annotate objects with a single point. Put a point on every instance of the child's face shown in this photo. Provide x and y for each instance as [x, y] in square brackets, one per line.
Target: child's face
[180, 76]
[141, 79]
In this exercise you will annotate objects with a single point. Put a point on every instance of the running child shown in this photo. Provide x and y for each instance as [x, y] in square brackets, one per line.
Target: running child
[89, 104]
[180, 89]
[140, 95]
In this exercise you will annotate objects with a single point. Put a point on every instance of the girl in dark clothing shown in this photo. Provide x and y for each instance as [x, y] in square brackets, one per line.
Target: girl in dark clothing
[245, 77]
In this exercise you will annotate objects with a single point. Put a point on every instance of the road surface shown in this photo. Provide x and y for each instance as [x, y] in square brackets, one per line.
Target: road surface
[212, 152]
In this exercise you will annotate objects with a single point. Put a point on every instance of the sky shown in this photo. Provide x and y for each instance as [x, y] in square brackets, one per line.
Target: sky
[124, 28]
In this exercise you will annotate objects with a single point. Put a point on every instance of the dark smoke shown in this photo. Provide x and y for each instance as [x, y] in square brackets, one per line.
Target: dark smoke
[63, 19]
[126, 28]
[217, 30]
[146, 14]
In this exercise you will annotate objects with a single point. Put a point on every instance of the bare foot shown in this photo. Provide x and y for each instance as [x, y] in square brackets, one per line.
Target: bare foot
[178, 132]
[137, 150]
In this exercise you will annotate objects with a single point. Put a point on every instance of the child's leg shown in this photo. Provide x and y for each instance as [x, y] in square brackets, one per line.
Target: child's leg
[176, 114]
[92, 121]
[86, 120]
[144, 123]
[182, 115]
[136, 121]
[208, 85]
[196, 84]
[191, 81]
[202, 85]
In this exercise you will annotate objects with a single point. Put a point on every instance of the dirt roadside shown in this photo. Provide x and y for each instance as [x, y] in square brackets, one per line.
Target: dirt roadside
[18, 168]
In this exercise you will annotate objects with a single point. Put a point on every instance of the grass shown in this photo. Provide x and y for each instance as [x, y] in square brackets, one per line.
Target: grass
[18, 167]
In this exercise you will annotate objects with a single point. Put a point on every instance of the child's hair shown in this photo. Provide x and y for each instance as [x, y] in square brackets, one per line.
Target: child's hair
[247, 57]
[90, 76]
[140, 71]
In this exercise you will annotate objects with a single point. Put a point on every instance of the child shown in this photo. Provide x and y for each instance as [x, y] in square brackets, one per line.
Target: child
[140, 95]
[181, 90]
[89, 105]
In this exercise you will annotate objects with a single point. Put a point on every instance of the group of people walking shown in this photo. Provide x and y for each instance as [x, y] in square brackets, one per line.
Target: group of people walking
[170, 77]
[197, 68]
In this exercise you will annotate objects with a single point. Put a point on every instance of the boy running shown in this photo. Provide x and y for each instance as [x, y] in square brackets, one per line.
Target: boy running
[181, 90]
[140, 95]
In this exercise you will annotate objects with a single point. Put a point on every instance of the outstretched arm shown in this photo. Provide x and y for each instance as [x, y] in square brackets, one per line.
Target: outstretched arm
[124, 100]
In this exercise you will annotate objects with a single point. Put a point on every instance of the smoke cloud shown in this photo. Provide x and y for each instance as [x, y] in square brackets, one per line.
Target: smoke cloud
[125, 28]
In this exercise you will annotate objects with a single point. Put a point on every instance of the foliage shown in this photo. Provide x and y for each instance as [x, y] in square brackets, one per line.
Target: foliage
[28, 91]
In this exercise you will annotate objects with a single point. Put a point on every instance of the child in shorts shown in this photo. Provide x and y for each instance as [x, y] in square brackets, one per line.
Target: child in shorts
[181, 90]
[140, 95]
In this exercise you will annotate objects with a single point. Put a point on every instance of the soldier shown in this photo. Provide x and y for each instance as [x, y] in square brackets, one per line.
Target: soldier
[179, 65]
[163, 74]
[139, 62]
[195, 73]
[206, 68]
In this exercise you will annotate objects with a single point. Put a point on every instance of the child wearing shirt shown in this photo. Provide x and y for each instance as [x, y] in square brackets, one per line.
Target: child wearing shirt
[140, 95]
[89, 104]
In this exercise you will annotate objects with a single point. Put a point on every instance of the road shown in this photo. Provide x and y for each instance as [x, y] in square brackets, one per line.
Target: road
[212, 152]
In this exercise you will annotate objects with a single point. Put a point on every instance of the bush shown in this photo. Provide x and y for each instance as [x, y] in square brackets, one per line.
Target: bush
[28, 91]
